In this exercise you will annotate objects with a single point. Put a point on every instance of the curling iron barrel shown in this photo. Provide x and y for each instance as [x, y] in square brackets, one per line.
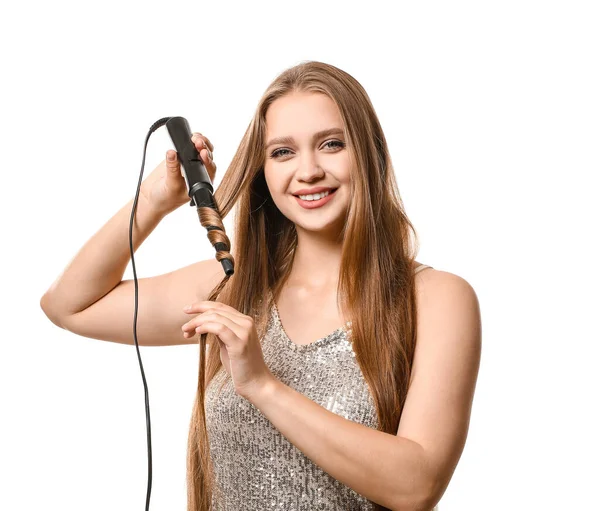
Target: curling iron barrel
[199, 185]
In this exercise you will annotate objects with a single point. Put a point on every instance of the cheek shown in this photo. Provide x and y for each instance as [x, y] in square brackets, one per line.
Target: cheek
[276, 179]
[341, 166]
[271, 184]
[276, 189]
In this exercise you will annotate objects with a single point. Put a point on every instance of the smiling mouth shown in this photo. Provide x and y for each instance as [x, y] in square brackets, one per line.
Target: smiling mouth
[331, 192]
[318, 203]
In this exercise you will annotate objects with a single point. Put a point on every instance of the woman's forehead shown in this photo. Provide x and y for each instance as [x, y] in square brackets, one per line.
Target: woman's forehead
[301, 114]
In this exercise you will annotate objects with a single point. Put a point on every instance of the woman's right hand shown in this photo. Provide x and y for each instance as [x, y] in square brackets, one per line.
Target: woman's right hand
[165, 189]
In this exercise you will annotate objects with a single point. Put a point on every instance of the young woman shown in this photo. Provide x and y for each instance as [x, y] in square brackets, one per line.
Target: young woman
[339, 372]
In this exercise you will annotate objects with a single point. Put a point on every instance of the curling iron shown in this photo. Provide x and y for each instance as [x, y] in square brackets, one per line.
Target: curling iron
[200, 191]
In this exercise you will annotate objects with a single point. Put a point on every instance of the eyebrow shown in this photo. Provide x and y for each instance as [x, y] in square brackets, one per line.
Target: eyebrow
[290, 140]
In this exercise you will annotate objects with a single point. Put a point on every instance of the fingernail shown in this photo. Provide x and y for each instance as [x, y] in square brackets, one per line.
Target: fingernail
[170, 156]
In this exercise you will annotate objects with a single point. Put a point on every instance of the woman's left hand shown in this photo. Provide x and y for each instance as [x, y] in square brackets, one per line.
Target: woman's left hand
[241, 352]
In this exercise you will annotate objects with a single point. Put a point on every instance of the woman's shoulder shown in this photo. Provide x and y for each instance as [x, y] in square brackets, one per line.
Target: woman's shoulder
[432, 278]
[443, 292]
[427, 276]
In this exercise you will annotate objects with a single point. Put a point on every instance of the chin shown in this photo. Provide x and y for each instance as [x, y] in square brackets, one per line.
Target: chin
[332, 227]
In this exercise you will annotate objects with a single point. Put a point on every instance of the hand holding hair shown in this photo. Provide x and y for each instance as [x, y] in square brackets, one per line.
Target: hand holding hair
[241, 352]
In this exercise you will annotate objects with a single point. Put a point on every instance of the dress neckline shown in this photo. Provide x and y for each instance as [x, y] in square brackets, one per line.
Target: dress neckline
[342, 330]
[345, 330]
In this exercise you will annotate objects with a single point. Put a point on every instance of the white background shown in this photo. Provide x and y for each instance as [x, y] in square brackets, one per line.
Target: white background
[491, 111]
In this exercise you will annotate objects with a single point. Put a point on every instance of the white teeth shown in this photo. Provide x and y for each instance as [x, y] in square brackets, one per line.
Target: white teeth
[314, 196]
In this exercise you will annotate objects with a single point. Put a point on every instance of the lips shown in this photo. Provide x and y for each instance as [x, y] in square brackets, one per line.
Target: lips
[318, 190]
[311, 191]
[316, 203]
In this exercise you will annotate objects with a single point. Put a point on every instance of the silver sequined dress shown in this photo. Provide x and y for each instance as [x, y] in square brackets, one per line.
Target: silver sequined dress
[255, 466]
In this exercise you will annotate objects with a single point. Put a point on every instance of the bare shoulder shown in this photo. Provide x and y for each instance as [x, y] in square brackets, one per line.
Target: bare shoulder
[432, 284]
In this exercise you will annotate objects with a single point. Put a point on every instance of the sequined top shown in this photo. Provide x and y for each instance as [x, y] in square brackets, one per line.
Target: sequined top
[255, 466]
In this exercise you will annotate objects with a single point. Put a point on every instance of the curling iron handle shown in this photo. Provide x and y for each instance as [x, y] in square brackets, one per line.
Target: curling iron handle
[195, 173]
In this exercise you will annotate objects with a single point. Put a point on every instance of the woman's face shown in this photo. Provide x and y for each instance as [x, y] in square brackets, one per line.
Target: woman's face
[306, 149]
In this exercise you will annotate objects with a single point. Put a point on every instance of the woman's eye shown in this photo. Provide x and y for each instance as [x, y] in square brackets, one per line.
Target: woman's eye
[336, 142]
[278, 152]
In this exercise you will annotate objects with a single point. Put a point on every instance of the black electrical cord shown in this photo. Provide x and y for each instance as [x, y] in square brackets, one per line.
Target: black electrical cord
[154, 127]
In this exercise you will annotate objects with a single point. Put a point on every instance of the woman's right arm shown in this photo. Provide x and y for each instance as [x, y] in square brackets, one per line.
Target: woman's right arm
[90, 298]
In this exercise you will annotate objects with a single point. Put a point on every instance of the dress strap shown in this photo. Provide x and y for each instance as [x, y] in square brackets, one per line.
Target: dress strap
[421, 267]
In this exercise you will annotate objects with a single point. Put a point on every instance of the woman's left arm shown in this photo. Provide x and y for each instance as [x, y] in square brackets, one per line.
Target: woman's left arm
[409, 470]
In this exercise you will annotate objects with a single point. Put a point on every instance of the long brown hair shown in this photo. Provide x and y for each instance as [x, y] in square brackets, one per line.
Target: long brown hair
[379, 245]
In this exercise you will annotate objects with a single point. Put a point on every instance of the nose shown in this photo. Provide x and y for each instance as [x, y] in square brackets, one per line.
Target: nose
[309, 169]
